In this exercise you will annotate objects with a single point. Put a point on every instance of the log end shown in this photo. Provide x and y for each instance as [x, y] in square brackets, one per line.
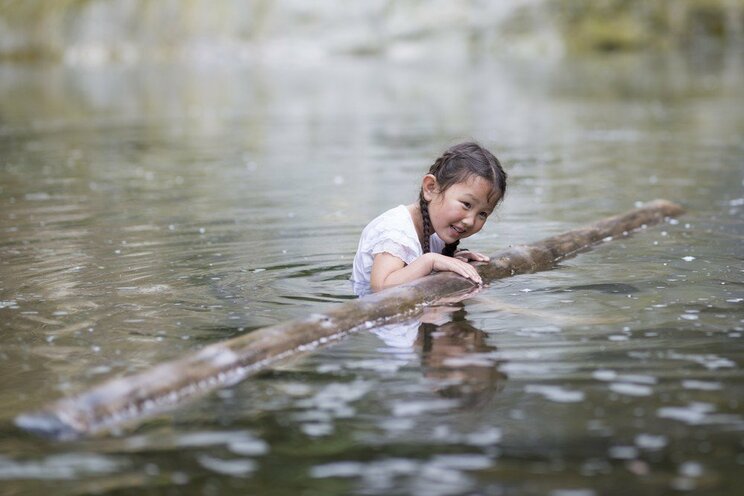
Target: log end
[46, 424]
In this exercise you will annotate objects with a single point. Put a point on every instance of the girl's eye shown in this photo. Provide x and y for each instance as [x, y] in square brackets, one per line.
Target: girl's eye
[484, 215]
[466, 205]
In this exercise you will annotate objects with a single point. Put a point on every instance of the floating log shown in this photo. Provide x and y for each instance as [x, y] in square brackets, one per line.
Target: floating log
[127, 399]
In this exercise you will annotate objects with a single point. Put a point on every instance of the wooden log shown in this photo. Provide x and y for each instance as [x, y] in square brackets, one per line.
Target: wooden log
[128, 399]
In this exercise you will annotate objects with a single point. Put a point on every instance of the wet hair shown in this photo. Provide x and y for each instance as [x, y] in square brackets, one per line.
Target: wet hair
[457, 164]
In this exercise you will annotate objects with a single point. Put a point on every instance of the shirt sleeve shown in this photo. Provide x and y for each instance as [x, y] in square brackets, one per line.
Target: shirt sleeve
[397, 243]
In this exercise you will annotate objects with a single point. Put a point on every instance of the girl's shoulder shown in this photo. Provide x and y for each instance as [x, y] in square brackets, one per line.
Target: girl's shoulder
[395, 225]
[395, 217]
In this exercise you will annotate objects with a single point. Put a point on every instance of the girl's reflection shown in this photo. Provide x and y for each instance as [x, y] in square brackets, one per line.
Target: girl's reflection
[455, 355]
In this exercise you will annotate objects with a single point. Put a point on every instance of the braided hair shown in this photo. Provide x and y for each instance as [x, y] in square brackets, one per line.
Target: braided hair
[457, 164]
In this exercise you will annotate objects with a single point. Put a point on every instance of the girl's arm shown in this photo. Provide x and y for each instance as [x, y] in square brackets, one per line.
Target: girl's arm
[389, 270]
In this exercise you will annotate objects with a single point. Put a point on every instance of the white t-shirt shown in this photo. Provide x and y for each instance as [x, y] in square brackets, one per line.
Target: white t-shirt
[392, 232]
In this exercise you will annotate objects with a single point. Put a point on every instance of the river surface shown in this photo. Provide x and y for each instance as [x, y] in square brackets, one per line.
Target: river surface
[146, 212]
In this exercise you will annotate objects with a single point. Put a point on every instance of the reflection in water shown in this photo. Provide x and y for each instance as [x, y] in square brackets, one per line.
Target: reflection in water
[455, 355]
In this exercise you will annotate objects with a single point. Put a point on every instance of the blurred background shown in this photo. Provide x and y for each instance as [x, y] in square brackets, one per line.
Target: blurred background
[101, 31]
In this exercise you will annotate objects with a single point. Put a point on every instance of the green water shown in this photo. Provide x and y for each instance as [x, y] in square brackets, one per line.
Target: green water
[146, 212]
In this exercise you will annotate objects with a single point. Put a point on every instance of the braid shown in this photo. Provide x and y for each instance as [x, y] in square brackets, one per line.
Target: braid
[450, 249]
[427, 222]
[428, 229]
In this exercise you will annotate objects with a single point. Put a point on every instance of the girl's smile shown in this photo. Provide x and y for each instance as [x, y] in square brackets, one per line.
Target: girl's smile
[462, 209]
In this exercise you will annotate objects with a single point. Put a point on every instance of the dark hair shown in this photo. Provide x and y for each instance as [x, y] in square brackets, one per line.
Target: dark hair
[456, 165]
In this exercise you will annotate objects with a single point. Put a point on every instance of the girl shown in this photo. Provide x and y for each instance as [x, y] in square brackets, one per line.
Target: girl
[458, 194]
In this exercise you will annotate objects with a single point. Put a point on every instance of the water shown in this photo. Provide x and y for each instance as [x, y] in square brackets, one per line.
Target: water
[147, 212]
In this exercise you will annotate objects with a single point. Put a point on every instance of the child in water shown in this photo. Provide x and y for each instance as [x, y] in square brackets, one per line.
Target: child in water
[458, 194]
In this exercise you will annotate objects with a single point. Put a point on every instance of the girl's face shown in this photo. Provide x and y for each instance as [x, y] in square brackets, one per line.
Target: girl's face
[462, 209]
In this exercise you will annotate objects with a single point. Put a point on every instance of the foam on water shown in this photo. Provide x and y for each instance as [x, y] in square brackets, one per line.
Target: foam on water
[702, 385]
[650, 441]
[411, 408]
[234, 467]
[698, 413]
[631, 389]
[59, 467]
[709, 361]
[555, 393]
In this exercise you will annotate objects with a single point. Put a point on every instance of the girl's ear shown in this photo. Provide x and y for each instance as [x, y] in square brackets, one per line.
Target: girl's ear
[430, 187]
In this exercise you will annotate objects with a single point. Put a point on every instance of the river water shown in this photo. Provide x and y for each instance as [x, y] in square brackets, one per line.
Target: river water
[149, 211]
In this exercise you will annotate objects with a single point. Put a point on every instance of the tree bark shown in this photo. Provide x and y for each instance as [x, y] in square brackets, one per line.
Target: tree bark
[128, 399]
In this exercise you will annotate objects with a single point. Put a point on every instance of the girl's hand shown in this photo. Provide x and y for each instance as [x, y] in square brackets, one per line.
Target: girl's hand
[467, 255]
[456, 265]
[389, 270]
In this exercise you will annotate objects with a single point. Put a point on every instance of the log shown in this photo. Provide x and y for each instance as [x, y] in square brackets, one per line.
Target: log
[128, 399]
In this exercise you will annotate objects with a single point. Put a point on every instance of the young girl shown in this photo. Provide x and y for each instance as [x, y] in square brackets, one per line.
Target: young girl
[458, 194]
